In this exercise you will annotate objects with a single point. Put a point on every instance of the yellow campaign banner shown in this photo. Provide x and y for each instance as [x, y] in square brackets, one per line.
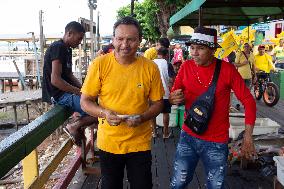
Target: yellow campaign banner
[248, 34]
[280, 34]
[228, 45]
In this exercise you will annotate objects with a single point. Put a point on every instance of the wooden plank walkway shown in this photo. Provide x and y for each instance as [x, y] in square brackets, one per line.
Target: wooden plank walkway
[163, 152]
[20, 97]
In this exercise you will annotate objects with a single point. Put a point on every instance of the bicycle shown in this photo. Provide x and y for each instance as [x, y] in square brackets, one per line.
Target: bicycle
[267, 90]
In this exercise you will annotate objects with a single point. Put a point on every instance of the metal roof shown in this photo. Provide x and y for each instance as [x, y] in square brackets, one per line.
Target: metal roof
[228, 12]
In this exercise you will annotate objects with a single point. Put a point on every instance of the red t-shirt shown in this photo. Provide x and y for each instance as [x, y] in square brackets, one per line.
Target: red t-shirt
[194, 81]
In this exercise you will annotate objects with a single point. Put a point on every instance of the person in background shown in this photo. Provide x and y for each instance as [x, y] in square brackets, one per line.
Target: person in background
[244, 62]
[130, 93]
[263, 61]
[171, 51]
[178, 57]
[270, 51]
[152, 52]
[142, 50]
[107, 49]
[279, 54]
[60, 86]
[171, 69]
[211, 147]
[231, 57]
[162, 64]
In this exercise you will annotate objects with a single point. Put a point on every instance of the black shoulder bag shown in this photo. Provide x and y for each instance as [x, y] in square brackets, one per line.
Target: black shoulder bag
[198, 115]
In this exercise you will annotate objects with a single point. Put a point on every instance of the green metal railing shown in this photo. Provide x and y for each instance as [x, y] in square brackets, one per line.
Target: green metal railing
[21, 143]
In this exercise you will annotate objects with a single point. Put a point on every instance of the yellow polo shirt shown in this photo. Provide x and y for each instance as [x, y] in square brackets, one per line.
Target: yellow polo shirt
[125, 89]
[264, 63]
[151, 53]
[245, 70]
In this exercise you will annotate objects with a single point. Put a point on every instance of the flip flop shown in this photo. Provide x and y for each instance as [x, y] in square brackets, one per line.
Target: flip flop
[76, 138]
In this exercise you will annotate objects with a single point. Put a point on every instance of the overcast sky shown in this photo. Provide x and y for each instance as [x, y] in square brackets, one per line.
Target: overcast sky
[22, 16]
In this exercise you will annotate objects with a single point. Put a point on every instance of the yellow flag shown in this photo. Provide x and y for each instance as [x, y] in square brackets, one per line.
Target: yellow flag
[225, 35]
[228, 45]
[248, 34]
[280, 35]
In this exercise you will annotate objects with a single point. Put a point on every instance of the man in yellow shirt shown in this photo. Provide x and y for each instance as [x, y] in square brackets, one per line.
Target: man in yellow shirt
[245, 64]
[279, 54]
[263, 61]
[125, 84]
[152, 53]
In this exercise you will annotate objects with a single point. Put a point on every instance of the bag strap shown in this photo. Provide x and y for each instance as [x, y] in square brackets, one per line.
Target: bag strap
[247, 60]
[245, 55]
[212, 87]
[216, 75]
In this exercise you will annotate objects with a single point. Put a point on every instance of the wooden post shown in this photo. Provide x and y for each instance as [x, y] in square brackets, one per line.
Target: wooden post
[91, 33]
[2, 83]
[36, 59]
[30, 168]
[80, 64]
[86, 62]
[31, 83]
[200, 17]
[41, 41]
[15, 115]
[10, 84]
[248, 30]
[92, 141]
[98, 31]
[28, 114]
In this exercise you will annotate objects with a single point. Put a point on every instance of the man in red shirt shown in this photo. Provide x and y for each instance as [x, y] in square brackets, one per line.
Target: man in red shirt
[193, 79]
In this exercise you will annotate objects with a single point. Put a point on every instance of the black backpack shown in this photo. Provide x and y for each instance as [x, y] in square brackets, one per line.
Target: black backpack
[199, 114]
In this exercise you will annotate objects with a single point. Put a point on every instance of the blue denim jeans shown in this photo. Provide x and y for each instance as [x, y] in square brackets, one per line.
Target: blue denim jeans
[71, 101]
[213, 156]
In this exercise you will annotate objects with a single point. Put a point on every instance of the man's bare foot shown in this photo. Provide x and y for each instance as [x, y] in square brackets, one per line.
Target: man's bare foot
[73, 127]
[75, 132]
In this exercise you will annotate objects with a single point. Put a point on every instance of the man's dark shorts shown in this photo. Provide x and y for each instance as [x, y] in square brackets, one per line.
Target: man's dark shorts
[167, 106]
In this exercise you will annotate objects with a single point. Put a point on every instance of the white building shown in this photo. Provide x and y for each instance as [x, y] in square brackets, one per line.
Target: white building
[271, 29]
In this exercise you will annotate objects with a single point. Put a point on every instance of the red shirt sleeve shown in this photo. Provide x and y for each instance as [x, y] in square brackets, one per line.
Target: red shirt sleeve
[244, 96]
[178, 84]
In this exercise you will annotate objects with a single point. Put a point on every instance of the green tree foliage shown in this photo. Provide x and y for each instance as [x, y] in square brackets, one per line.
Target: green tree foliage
[153, 15]
[145, 13]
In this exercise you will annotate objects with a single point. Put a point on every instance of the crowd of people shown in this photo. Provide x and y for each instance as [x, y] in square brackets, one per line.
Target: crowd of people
[124, 92]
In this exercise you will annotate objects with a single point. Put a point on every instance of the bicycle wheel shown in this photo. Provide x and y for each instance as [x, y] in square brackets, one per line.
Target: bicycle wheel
[271, 94]
[257, 91]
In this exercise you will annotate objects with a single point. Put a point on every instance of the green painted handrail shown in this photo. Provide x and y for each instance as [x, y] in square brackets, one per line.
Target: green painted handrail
[21, 143]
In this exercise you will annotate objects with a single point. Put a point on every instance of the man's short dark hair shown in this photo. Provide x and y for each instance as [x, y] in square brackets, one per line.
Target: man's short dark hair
[128, 20]
[246, 44]
[74, 26]
[164, 42]
[163, 51]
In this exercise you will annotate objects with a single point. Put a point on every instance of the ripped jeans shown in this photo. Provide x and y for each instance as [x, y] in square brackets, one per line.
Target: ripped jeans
[213, 156]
